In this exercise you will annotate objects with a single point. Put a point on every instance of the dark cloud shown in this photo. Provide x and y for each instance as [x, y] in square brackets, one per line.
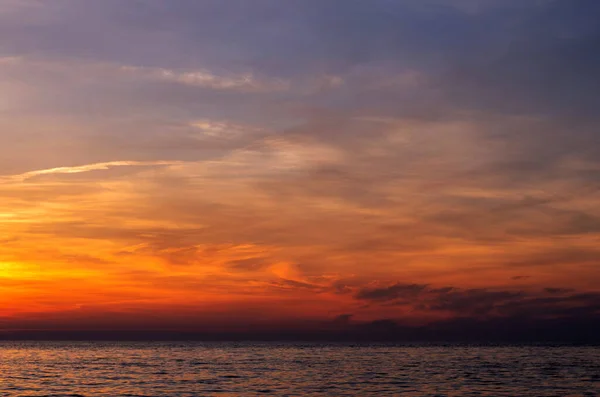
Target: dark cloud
[342, 319]
[574, 329]
[473, 301]
[554, 291]
[396, 291]
[485, 303]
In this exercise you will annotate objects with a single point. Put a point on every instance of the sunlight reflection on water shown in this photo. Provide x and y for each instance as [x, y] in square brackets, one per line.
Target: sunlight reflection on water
[238, 369]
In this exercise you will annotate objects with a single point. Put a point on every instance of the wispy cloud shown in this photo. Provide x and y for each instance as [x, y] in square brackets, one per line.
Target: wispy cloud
[208, 79]
[191, 77]
[10, 60]
[86, 168]
[223, 129]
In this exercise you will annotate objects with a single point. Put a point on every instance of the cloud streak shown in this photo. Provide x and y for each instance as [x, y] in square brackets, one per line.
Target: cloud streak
[87, 168]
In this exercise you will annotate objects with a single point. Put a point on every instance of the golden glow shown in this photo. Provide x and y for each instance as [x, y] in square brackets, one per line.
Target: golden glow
[151, 177]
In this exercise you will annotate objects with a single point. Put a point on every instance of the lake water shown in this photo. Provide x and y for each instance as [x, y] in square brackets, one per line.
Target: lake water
[251, 369]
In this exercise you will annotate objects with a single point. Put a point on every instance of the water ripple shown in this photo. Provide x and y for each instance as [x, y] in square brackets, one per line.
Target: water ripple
[221, 369]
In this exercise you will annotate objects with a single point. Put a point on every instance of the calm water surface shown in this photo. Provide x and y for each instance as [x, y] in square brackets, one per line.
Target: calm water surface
[229, 369]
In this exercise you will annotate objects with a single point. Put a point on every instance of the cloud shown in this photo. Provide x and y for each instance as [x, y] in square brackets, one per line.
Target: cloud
[88, 167]
[396, 291]
[248, 264]
[554, 291]
[485, 303]
[204, 78]
[342, 319]
[223, 129]
[10, 60]
[295, 284]
[473, 301]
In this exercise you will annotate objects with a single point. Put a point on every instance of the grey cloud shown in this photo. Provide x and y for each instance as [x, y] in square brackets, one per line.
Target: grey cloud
[342, 319]
[475, 303]
[554, 291]
[396, 291]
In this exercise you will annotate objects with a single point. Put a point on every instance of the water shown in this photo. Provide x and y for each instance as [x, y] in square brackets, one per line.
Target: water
[252, 369]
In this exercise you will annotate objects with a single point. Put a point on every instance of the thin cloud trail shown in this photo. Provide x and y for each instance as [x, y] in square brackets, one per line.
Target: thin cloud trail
[86, 168]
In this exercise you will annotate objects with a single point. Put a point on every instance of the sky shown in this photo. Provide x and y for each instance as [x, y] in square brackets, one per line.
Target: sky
[206, 165]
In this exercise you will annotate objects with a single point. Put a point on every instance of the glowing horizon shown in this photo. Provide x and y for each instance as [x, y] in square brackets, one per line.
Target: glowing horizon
[209, 165]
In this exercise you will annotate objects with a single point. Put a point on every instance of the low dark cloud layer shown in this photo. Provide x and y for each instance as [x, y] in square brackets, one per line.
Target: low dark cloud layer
[549, 303]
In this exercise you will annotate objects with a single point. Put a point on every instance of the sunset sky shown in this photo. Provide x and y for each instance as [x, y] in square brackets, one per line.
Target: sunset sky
[270, 164]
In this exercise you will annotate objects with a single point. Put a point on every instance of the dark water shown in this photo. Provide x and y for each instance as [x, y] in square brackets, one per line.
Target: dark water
[233, 369]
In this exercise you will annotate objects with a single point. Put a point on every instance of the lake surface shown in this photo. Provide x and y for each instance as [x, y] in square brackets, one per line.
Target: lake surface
[293, 369]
